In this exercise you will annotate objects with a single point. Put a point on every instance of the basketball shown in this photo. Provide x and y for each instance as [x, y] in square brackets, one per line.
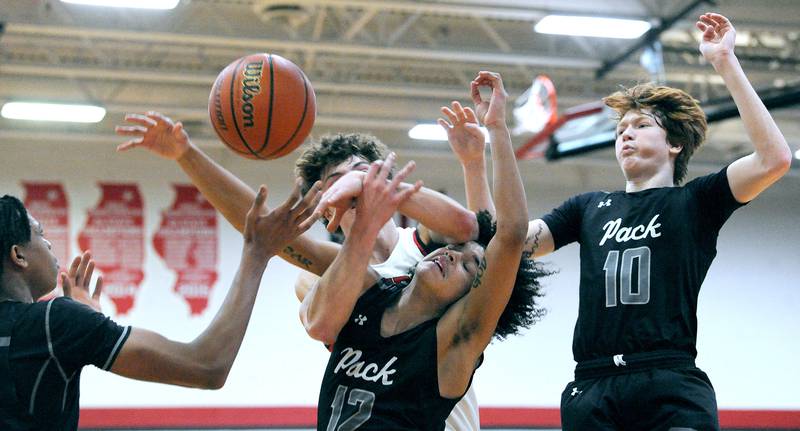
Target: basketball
[262, 106]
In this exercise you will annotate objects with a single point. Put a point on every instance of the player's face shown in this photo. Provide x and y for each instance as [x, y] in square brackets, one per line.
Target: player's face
[641, 145]
[42, 263]
[450, 271]
[332, 174]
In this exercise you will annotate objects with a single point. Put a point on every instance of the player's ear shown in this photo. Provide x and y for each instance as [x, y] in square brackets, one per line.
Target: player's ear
[16, 256]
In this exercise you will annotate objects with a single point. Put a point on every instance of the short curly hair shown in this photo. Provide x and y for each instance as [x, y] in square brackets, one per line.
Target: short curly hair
[331, 150]
[15, 225]
[676, 111]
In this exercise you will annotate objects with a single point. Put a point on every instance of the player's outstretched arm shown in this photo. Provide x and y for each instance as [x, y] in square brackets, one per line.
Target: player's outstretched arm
[160, 135]
[468, 325]
[206, 361]
[469, 145]
[330, 302]
[752, 174]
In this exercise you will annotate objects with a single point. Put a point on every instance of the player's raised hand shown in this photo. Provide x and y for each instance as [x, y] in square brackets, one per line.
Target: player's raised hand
[267, 232]
[340, 197]
[155, 132]
[719, 37]
[381, 197]
[77, 281]
[463, 133]
[492, 112]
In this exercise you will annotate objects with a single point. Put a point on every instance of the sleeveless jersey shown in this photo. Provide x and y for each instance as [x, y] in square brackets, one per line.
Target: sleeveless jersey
[405, 255]
[382, 383]
[643, 258]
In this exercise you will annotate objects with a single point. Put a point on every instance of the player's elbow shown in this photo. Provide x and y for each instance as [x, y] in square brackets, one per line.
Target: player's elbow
[464, 227]
[781, 163]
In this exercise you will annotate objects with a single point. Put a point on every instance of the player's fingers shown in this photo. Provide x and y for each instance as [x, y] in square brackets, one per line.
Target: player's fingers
[130, 130]
[405, 172]
[87, 277]
[459, 110]
[445, 125]
[85, 258]
[133, 143]
[475, 92]
[337, 218]
[471, 117]
[140, 120]
[73, 267]
[66, 284]
[387, 166]
[98, 288]
[449, 114]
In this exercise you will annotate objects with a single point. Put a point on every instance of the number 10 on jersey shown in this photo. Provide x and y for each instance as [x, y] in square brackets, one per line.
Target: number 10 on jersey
[628, 292]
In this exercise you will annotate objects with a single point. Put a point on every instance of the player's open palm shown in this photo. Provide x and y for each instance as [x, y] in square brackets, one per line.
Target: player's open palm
[77, 280]
[155, 132]
[718, 37]
[463, 133]
[267, 232]
[491, 113]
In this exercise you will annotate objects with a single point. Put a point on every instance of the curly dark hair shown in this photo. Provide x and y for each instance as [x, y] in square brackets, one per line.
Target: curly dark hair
[334, 149]
[522, 309]
[15, 226]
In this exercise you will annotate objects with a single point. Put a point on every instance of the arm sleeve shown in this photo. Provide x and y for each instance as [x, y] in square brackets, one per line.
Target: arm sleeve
[714, 198]
[80, 336]
[564, 222]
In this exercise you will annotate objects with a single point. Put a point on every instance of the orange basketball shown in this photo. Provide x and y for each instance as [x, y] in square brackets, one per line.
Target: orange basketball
[262, 106]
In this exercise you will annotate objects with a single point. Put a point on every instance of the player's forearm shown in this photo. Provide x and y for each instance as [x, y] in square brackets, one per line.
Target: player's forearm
[216, 348]
[328, 305]
[770, 144]
[476, 186]
[227, 193]
[511, 204]
[440, 214]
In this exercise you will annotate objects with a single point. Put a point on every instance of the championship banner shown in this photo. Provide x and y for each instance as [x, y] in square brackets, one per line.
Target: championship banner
[187, 241]
[114, 233]
[47, 202]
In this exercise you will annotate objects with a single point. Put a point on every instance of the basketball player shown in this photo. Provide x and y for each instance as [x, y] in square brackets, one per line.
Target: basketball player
[44, 345]
[646, 250]
[407, 351]
[331, 158]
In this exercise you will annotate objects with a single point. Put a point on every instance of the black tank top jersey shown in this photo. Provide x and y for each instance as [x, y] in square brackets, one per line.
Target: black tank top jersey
[643, 257]
[377, 383]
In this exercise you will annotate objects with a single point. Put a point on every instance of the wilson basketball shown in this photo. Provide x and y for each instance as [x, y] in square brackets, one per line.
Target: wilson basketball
[262, 106]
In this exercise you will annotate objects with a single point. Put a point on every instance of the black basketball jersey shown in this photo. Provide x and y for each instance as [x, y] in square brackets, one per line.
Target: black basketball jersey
[43, 348]
[377, 383]
[643, 257]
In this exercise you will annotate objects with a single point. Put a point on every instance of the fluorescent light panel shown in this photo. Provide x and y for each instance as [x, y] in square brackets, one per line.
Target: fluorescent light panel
[137, 4]
[434, 132]
[53, 112]
[588, 26]
[797, 154]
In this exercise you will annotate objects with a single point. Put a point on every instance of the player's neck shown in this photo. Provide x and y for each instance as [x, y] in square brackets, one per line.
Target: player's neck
[14, 289]
[410, 310]
[662, 178]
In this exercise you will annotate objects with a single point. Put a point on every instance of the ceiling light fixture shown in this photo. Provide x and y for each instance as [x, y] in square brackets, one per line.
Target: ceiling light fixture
[589, 26]
[53, 112]
[434, 132]
[137, 4]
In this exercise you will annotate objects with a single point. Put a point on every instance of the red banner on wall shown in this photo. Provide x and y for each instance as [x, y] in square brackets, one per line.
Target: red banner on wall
[47, 202]
[187, 241]
[114, 232]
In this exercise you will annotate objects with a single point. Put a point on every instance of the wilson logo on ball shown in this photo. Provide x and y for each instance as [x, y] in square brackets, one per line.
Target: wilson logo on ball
[262, 106]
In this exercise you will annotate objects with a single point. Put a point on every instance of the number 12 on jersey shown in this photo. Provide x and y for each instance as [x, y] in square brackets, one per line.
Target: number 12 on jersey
[358, 397]
[627, 293]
